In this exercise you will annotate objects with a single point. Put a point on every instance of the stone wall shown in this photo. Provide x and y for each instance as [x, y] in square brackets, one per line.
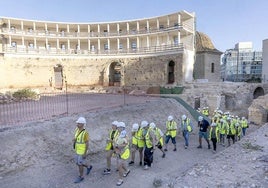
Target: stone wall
[33, 72]
[258, 110]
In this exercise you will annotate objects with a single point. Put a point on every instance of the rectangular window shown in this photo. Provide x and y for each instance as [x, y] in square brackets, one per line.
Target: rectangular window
[161, 27]
[106, 47]
[133, 45]
[13, 44]
[212, 67]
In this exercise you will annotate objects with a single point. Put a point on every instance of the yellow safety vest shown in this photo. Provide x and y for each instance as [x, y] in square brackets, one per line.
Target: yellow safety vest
[138, 138]
[80, 145]
[125, 153]
[158, 136]
[216, 132]
[148, 141]
[171, 128]
[112, 137]
[244, 123]
[230, 129]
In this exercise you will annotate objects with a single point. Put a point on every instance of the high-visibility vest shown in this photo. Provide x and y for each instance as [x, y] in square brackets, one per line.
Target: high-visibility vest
[158, 135]
[216, 132]
[138, 138]
[222, 127]
[80, 144]
[148, 141]
[171, 128]
[230, 129]
[188, 125]
[113, 134]
[244, 123]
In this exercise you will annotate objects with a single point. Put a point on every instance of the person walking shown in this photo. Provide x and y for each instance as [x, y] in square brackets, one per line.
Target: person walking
[171, 132]
[222, 129]
[159, 138]
[186, 127]
[80, 143]
[214, 135]
[150, 142]
[244, 125]
[122, 153]
[113, 134]
[230, 127]
[137, 143]
[203, 128]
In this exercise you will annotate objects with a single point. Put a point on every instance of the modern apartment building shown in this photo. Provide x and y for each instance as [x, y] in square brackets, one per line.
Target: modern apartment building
[265, 61]
[242, 64]
[150, 51]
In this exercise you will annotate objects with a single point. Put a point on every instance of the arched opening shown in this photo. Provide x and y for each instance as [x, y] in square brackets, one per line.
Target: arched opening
[58, 76]
[171, 76]
[196, 103]
[115, 74]
[258, 92]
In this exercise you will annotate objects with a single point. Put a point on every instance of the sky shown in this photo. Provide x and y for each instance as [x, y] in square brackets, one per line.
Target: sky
[226, 22]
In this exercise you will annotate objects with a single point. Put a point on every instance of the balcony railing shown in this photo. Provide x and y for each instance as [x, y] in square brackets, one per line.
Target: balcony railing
[44, 33]
[54, 51]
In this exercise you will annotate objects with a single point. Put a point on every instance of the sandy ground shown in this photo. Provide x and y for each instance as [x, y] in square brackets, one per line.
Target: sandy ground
[39, 154]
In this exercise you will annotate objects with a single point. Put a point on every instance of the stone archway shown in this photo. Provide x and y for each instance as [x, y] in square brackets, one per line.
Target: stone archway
[171, 75]
[259, 91]
[115, 74]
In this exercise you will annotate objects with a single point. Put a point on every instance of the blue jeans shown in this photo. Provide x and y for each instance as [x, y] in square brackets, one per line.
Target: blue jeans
[185, 134]
[244, 131]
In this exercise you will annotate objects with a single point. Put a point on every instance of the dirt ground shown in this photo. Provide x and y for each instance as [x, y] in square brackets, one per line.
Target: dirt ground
[40, 155]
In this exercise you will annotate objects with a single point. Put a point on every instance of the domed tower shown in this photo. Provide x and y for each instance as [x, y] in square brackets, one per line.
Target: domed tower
[208, 59]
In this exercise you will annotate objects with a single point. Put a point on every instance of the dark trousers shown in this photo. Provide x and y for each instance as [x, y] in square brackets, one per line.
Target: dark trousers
[148, 156]
[214, 142]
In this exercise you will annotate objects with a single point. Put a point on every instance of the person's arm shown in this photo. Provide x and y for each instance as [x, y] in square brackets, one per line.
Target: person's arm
[86, 137]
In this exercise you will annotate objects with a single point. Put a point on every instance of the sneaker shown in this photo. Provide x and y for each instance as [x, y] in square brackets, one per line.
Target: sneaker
[165, 149]
[131, 163]
[214, 151]
[79, 179]
[199, 147]
[125, 174]
[185, 147]
[209, 146]
[175, 149]
[146, 167]
[163, 156]
[89, 169]
[119, 182]
[107, 171]
[140, 163]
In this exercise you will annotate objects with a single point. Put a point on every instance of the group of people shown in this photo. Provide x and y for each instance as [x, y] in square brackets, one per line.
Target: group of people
[147, 137]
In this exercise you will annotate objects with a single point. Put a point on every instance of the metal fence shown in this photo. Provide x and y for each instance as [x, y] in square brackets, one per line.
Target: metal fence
[56, 104]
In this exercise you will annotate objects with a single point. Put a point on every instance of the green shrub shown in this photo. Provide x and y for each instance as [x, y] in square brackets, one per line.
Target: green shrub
[25, 93]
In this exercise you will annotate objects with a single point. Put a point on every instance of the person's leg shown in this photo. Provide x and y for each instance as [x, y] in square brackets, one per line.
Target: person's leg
[186, 138]
[133, 153]
[141, 155]
[109, 158]
[166, 141]
[173, 139]
[206, 138]
[200, 139]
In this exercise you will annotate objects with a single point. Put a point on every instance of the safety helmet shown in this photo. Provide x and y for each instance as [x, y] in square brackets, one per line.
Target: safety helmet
[183, 117]
[200, 118]
[135, 127]
[115, 123]
[81, 120]
[121, 124]
[170, 118]
[243, 118]
[144, 124]
[152, 125]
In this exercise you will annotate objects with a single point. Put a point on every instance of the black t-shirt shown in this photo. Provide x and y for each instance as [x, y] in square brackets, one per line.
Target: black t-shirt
[203, 125]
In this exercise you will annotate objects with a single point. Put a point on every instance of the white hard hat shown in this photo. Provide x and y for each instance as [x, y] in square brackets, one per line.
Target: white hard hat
[81, 120]
[123, 134]
[183, 117]
[243, 118]
[121, 124]
[115, 123]
[170, 118]
[200, 118]
[213, 124]
[144, 124]
[152, 125]
[135, 127]
[237, 124]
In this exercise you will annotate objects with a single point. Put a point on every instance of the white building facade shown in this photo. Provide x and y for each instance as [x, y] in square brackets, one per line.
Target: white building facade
[110, 49]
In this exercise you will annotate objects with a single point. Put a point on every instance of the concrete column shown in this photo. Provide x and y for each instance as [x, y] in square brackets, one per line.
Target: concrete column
[88, 42]
[108, 41]
[58, 44]
[9, 38]
[168, 24]
[157, 24]
[57, 27]
[98, 45]
[108, 29]
[118, 43]
[99, 28]
[21, 25]
[127, 27]
[138, 27]
[88, 29]
[148, 26]
[22, 41]
[34, 27]
[78, 28]
[68, 28]
[127, 44]
[68, 44]
[148, 41]
[35, 43]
